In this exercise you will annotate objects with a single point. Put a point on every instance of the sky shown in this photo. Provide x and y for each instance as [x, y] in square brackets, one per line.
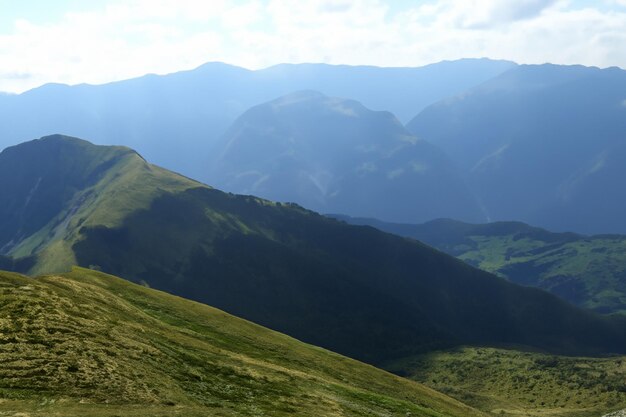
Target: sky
[98, 41]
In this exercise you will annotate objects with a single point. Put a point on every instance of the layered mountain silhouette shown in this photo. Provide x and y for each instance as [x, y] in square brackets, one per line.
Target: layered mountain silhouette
[354, 290]
[544, 144]
[175, 119]
[334, 155]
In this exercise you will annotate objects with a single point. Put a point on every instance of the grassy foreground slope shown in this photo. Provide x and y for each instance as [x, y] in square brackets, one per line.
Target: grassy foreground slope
[85, 343]
[589, 271]
[513, 383]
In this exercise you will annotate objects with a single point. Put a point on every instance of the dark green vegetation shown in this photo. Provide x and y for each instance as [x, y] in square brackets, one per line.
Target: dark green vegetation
[354, 290]
[542, 144]
[175, 119]
[334, 155]
[589, 271]
[517, 383]
[89, 344]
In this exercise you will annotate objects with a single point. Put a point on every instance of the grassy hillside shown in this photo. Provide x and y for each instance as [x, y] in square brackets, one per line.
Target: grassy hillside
[85, 343]
[513, 383]
[589, 271]
[54, 186]
[354, 290]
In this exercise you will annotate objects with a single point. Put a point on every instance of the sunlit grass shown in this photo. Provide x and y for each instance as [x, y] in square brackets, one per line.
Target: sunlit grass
[512, 383]
[85, 343]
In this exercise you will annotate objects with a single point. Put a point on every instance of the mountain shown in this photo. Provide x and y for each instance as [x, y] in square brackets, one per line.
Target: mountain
[335, 155]
[354, 290]
[402, 91]
[89, 344]
[175, 119]
[542, 144]
[585, 270]
[53, 187]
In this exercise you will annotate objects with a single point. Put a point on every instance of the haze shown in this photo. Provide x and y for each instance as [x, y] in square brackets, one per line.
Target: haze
[98, 41]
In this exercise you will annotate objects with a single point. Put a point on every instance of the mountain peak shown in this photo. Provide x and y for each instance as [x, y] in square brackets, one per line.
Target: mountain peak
[55, 180]
[219, 67]
[335, 154]
[57, 142]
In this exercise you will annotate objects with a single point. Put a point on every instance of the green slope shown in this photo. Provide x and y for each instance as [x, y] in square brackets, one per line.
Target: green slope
[353, 290]
[54, 186]
[513, 383]
[85, 343]
[589, 271]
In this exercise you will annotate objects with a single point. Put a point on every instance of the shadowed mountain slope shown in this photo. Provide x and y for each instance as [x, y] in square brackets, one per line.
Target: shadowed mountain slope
[588, 271]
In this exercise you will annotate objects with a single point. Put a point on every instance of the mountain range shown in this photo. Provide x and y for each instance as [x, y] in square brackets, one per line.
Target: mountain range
[541, 144]
[508, 318]
[355, 290]
[175, 119]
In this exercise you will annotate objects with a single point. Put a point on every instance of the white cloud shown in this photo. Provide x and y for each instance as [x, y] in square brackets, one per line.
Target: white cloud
[131, 38]
[480, 14]
[616, 2]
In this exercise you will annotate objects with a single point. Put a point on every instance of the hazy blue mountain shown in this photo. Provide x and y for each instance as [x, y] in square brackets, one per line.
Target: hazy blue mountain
[352, 289]
[589, 271]
[402, 91]
[543, 144]
[174, 119]
[335, 155]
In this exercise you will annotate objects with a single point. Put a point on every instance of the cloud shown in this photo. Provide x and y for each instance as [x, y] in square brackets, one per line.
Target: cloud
[481, 14]
[16, 75]
[621, 3]
[129, 38]
[335, 6]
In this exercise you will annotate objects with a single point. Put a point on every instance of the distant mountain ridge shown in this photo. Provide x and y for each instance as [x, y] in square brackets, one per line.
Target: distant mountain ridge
[335, 155]
[354, 290]
[175, 119]
[542, 144]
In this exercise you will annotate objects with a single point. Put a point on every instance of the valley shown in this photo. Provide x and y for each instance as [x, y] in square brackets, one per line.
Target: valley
[584, 270]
